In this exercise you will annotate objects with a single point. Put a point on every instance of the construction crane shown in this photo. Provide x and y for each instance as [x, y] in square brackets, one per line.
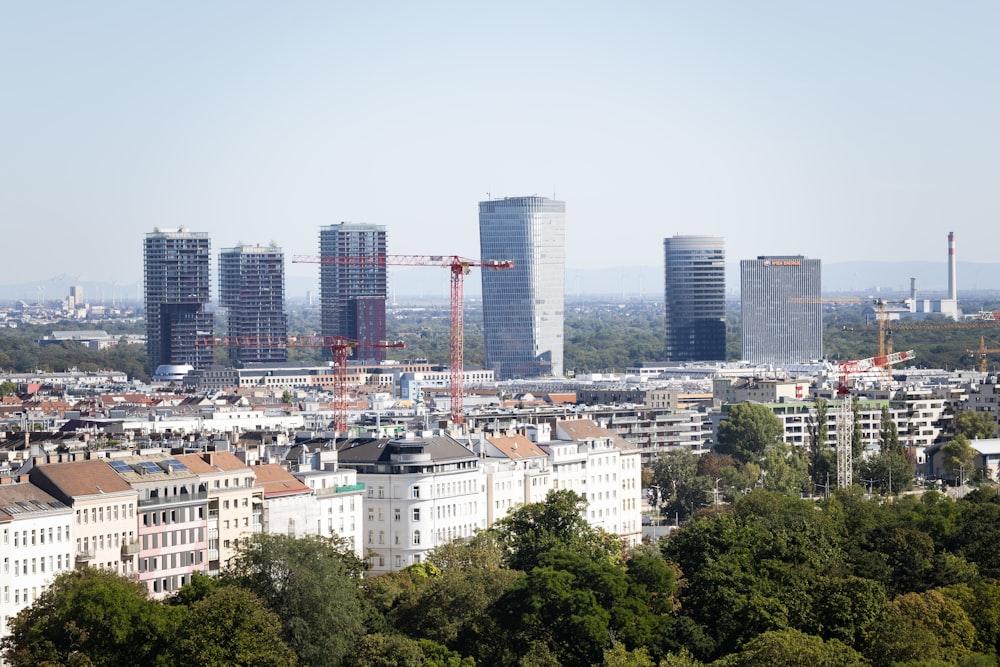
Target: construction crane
[340, 349]
[931, 325]
[982, 352]
[882, 313]
[459, 267]
[845, 413]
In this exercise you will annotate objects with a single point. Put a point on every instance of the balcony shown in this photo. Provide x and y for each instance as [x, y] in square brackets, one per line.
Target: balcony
[84, 556]
[174, 500]
[129, 550]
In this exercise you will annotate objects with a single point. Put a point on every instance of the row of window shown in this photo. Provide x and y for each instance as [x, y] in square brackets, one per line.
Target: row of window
[171, 516]
[112, 512]
[37, 536]
[171, 561]
[113, 540]
[172, 538]
[56, 563]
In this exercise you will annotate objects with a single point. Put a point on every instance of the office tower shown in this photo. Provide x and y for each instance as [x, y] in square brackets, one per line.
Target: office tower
[523, 306]
[782, 311]
[252, 290]
[177, 291]
[695, 298]
[353, 285]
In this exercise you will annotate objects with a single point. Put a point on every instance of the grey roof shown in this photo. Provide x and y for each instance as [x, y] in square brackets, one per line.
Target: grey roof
[370, 450]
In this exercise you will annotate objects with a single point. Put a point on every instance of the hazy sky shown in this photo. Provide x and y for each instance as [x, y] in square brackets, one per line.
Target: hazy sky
[839, 130]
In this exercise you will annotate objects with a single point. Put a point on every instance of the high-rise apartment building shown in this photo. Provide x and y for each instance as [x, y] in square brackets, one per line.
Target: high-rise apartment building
[353, 285]
[782, 312]
[176, 263]
[695, 298]
[523, 306]
[252, 291]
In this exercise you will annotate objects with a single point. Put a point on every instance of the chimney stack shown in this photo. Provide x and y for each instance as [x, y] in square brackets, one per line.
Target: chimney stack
[952, 279]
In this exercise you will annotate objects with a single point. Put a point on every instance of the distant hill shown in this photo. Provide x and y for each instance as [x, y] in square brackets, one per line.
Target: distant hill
[631, 281]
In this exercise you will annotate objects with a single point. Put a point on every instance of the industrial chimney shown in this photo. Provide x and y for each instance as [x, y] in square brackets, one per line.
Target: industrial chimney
[952, 280]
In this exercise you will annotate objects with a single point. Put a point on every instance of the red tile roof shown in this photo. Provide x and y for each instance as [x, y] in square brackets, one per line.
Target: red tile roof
[277, 481]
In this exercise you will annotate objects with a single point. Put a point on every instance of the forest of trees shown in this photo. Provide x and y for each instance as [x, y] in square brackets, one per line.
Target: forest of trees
[598, 338]
[770, 579]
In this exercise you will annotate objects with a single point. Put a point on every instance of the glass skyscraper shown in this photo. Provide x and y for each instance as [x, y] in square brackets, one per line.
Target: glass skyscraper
[353, 285]
[252, 291]
[695, 298]
[782, 312]
[523, 306]
[176, 271]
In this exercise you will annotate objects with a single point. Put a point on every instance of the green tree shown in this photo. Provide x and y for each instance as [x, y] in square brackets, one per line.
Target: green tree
[888, 435]
[922, 626]
[748, 431]
[958, 458]
[89, 617]
[785, 471]
[312, 585]
[857, 435]
[286, 397]
[230, 626]
[677, 485]
[792, 648]
[7, 388]
[819, 432]
[567, 603]
[532, 530]
[889, 472]
[975, 425]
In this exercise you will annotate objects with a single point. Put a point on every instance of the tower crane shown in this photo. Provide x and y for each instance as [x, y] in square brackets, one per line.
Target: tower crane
[982, 352]
[459, 267]
[845, 415]
[340, 349]
[881, 314]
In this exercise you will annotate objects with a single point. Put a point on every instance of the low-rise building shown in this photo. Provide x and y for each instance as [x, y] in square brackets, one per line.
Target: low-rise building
[37, 545]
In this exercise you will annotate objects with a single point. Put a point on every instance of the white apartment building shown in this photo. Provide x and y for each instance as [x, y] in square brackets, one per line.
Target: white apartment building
[609, 475]
[105, 516]
[419, 492]
[337, 496]
[288, 502]
[517, 472]
[37, 545]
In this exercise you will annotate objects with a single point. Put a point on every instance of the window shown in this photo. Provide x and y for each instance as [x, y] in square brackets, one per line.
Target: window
[416, 537]
[416, 514]
[416, 492]
[396, 514]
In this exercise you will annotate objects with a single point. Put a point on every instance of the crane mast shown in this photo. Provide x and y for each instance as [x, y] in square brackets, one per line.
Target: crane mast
[845, 411]
[459, 268]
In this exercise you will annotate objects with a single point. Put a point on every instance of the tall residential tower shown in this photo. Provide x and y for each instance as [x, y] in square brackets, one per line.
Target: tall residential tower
[176, 263]
[782, 310]
[252, 291]
[695, 298]
[523, 306]
[353, 285]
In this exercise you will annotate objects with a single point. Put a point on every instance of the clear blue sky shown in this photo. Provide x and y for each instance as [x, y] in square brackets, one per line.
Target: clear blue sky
[839, 130]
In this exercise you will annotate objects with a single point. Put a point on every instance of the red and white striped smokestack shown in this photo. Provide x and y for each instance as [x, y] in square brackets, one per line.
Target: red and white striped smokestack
[952, 279]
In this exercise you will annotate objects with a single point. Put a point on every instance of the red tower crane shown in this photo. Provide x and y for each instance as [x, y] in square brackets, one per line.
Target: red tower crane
[340, 349]
[845, 415]
[459, 267]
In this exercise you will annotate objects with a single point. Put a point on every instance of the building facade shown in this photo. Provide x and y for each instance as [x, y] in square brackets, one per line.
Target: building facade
[252, 291]
[523, 305]
[353, 285]
[782, 310]
[695, 298]
[420, 493]
[176, 270]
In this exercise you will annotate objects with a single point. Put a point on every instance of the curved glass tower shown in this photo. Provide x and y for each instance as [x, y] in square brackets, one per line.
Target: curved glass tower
[695, 298]
[523, 306]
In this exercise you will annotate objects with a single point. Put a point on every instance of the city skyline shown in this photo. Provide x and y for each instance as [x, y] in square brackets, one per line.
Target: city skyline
[739, 121]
